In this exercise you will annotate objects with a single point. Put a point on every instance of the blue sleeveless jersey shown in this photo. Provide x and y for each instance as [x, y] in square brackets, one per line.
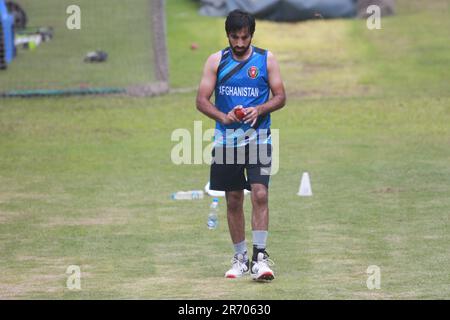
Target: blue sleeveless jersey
[243, 83]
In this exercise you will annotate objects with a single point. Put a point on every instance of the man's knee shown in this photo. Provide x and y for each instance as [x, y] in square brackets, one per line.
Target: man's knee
[260, 195]
[235, 200]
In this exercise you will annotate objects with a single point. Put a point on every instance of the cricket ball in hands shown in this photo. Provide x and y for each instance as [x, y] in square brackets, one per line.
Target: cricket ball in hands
[240, 113]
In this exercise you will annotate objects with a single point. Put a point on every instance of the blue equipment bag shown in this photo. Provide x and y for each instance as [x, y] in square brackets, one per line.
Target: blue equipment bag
[7, 48]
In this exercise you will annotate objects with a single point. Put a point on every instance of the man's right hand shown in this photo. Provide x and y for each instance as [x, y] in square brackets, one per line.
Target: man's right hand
[231, 117]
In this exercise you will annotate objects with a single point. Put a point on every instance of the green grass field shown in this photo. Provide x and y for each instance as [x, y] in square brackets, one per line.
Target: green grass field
[87, 180]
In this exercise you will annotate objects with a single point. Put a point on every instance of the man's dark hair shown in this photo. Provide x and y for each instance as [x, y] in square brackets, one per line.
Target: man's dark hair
[237, 20]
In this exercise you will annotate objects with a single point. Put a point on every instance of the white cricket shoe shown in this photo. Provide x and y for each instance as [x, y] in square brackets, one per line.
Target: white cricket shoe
[260, 268]
[239, 267]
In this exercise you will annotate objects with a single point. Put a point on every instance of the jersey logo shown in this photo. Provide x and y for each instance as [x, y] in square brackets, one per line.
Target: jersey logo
[253, 72]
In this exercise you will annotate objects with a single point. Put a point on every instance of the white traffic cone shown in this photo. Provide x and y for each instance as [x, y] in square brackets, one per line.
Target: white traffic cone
[305, 186]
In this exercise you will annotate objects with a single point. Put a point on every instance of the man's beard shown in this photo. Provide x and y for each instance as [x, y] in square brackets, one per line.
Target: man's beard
[239, 52]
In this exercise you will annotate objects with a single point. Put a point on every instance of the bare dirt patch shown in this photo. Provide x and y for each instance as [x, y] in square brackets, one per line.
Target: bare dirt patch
[106, 216]
[48, 276]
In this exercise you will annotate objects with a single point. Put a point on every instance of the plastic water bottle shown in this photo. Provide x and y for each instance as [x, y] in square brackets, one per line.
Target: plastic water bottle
[213, 216]
[188, 195]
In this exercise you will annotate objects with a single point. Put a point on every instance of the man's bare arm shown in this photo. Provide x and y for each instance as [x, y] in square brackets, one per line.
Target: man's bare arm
[206, 89]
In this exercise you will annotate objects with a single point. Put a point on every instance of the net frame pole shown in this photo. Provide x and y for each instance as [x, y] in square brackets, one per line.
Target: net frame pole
[159, 33]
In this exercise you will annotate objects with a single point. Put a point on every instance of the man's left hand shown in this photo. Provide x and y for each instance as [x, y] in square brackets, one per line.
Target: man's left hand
[251, 116]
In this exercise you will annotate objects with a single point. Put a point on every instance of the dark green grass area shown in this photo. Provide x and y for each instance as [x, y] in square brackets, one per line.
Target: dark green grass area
[121, 29]
[406, 57]
[87, 180]
[88, 183]
[185, 28]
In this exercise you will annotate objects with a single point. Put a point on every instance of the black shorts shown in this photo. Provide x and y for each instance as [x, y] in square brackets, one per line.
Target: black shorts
[236, 168]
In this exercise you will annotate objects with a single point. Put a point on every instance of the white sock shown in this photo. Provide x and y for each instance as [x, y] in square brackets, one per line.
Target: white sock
[241, 248]
[260, 238]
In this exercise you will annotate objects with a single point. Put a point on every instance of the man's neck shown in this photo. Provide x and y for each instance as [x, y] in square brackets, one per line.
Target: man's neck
[245, 56]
